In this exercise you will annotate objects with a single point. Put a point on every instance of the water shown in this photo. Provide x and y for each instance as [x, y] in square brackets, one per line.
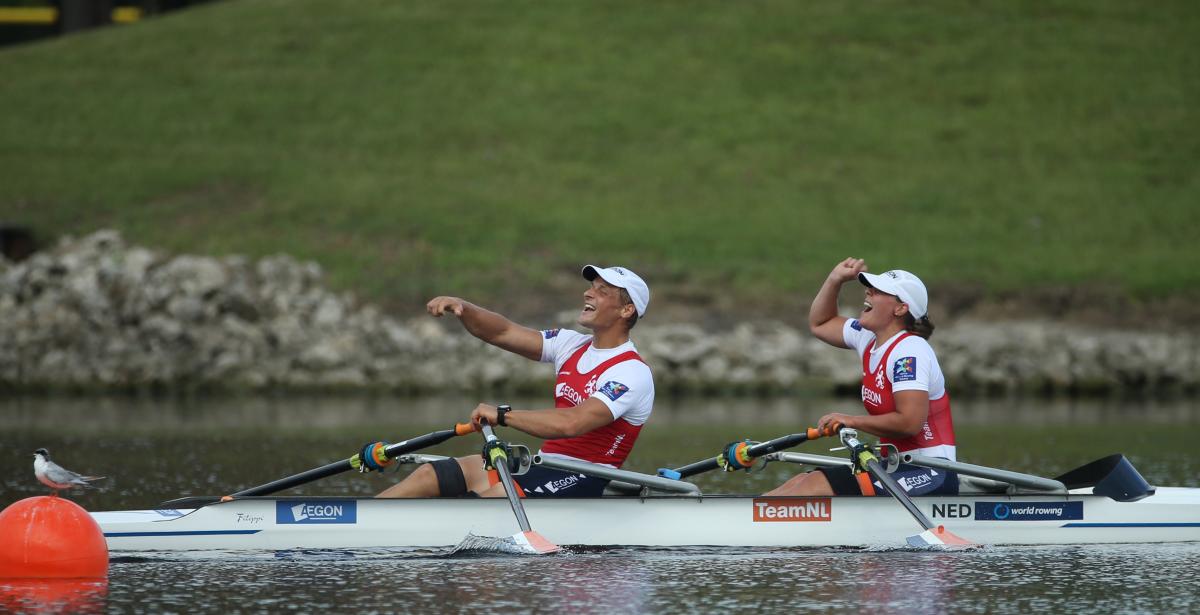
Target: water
[155, 450]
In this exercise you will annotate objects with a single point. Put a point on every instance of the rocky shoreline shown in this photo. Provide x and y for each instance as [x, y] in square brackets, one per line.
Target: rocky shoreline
[95, 314]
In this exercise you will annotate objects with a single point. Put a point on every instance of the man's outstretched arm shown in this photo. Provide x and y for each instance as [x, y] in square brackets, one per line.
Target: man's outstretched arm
[490, 326]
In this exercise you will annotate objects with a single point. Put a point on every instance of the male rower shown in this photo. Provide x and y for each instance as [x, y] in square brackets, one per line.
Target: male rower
[603, 395]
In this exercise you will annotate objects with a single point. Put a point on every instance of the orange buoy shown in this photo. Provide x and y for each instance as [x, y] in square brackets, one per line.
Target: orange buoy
[51, 537]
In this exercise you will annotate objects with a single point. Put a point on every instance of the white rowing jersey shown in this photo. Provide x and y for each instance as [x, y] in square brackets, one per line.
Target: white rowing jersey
[912, 366]
[616, 376]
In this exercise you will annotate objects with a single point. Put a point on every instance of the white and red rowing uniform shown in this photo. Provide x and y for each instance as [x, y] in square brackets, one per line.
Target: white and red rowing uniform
[618, 377]
[906, 362]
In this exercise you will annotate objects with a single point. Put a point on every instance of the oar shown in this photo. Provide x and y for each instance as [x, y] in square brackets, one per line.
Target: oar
[388, 452]
[934, 535]
[497, 456]
[743, 454]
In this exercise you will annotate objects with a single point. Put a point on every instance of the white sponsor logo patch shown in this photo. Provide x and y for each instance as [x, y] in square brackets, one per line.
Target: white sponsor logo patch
[316, 512]
[912, 482]
[564, 391]
[555, 486]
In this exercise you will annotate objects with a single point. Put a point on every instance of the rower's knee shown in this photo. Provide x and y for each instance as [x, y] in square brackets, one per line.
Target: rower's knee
[451, 481]
[445, 477]
[421, 483]
[809, 483]
[495, 491]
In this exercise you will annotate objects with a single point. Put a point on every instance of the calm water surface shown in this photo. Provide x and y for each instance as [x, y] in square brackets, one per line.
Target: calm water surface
[156, 450]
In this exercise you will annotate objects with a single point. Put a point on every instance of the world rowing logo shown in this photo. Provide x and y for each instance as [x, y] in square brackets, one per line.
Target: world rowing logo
[613, 389]
[1029, 511]
[905, 369]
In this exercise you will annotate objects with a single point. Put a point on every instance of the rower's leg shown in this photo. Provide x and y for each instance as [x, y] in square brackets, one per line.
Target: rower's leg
[808, 483]
[474, 473]
[425, 482]
[494, 491]
[422, 483]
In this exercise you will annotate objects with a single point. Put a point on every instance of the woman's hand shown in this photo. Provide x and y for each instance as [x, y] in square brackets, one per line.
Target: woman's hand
[847, 270]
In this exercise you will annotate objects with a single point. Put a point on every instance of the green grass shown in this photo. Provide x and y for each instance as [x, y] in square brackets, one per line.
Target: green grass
[736, 149]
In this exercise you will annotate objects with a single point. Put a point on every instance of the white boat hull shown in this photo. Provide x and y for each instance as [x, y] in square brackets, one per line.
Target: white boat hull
[1171, 515]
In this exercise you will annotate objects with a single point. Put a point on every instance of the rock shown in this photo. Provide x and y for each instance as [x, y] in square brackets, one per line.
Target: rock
[95, 312]
[329, 312]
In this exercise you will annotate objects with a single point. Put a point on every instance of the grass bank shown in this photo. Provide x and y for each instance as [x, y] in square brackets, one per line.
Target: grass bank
[733, 151]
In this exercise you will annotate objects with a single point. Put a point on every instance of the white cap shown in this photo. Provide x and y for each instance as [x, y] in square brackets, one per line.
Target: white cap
[622, 278]
[904, 285]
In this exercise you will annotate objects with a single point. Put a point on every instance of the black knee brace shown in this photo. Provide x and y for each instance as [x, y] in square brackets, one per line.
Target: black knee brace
[450, 479]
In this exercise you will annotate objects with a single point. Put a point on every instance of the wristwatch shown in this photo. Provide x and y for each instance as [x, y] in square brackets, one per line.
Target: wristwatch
[501, 410]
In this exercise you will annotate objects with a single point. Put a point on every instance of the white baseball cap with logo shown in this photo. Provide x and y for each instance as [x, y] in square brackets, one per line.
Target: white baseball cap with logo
[623, 278]
[902, 284]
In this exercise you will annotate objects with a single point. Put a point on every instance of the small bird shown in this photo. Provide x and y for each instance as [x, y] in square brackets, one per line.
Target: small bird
[55, 476]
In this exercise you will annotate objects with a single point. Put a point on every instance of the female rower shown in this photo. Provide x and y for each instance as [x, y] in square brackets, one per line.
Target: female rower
[902, 387]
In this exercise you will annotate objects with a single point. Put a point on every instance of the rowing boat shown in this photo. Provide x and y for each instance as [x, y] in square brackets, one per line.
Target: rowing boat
[276, 523]
[1102, 502]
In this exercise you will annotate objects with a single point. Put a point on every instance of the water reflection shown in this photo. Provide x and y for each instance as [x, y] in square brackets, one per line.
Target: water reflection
[993, 580]
[139, 414]
[152, 451]
[53, 595]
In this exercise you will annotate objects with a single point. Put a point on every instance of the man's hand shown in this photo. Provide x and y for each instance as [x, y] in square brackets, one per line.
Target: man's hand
[489, 326]
[441, 305]
[483, 412]
[847, 270]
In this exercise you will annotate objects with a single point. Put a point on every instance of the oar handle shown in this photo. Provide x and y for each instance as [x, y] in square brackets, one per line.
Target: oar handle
[758, 450]
[427, 440]
[778, 444]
